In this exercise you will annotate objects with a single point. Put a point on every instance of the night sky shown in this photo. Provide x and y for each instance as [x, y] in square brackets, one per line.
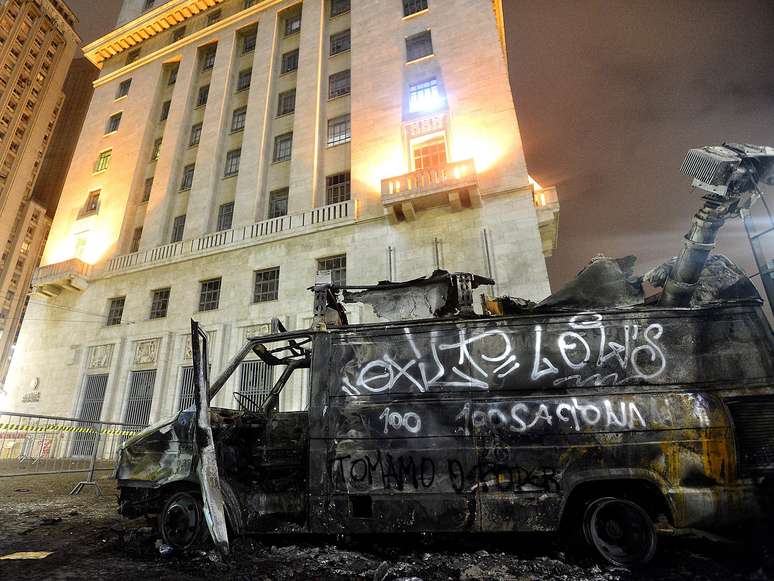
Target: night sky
[610, 95]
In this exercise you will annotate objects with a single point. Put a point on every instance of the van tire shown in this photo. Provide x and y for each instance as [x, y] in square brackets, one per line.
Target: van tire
[620, 530]
[181, 520]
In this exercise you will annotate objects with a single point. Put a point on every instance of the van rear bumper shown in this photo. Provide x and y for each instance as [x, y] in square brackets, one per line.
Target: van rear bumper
[720, 506]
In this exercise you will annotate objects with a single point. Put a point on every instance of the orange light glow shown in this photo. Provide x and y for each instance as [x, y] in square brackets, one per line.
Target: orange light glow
[536, 185]
[486, 146]
[386, 162]
[88, 246]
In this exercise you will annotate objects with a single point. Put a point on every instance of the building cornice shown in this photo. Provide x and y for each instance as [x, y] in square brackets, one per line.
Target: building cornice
[148, 25]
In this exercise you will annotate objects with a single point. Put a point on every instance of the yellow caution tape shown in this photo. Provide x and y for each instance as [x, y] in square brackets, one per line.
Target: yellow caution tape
[73, 429]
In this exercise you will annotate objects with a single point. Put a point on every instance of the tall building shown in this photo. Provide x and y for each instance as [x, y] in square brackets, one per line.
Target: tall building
[235, 148]
[37, 44]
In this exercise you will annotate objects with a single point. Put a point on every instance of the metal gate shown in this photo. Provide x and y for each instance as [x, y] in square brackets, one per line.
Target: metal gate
[138, 405]
[255, 382]
[186, 397]
[91, 410]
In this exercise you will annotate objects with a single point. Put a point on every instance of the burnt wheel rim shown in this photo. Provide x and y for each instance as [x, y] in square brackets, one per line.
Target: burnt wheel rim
[181, 521]
[622, 532]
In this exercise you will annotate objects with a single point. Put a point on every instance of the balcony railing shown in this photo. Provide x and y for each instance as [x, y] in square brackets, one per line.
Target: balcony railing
[283, 226]
[455, 184]
[71, 274]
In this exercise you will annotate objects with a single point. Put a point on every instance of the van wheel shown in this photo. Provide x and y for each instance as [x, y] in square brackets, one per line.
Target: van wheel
[620, 530]
[181, 520]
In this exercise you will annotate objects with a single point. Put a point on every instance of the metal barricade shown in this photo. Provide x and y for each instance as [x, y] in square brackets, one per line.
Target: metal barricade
[31, 444]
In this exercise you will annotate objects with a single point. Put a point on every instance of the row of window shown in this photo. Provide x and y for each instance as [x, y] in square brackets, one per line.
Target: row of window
[265, 289]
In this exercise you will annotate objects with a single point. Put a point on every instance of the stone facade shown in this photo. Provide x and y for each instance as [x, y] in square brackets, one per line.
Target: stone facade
[398, 218]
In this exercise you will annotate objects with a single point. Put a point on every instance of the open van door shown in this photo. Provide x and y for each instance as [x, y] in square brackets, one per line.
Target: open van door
[204, 445]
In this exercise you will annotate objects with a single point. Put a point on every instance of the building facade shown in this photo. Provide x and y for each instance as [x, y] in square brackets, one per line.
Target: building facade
[37, 44]
[233, 149]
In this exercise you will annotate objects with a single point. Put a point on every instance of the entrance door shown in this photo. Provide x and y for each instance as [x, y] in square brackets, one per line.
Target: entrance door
[91, 410]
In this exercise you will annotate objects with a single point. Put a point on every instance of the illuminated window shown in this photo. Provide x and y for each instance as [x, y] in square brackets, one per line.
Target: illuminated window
[103, 161]
[115, 311]
[340, 42]
[238, 118]
[243, 82]
[188, 174]
[113, 123]
[248, 43]
[123, 88]
[337, 188]
[159, 303]
[133, 56]
[209, 294]
[339, 84]
[339, 130]
[214, 17]
[292, 24]
[337, 265]
[266, 287]
[201, 98]
[208, 59]
[430, 154]
[278, 203]
[178, 228]
[156, 151]
[196, 135]
[289, 62]
[233, 158]
[418, 46]
[225, 216]
[425, 96]
[136, 236]
[339, 7]
[413, 6]
[286, 103]
[165, 110]
[146, 192]
[283, 146]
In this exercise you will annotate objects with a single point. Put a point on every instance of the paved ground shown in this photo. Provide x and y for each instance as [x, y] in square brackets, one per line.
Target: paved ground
[88, 540]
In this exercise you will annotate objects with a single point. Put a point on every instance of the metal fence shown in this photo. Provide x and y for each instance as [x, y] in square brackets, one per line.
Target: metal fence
[32, 444]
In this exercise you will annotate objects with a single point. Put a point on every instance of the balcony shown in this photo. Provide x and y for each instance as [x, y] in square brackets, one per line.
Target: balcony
[453, 184]
[52, 279]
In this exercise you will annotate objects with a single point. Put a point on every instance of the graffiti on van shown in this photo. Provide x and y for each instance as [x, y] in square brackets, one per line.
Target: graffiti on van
[587, 352]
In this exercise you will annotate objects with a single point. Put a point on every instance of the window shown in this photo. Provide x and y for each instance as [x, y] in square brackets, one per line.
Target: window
[286, 103]
[292, 24]
[196, 135]
[136, 236]
[283, 145]
[148, 5]
[123, 88]
[424, 96]
[178, 34]
[201, 98]
[178, 227]
[146, 191]
[255, 383]
[418, 46]
[133, 56]
[278, 203]
[249, 3]
[92, 203]
[208, 59]
[340, 42]
[339, 130]
[214, 17]
[225, 216]
[159, 303]
[103, 161]
[115, 311]
[266, 285]
[430, 154]
[339, 84]
[289, 62]
[113, 123]
[243, 82]
[173, 75]
[156, 151]
[238, 119]
[188, 174]
[165, 110]
[337, 265]
[209, 294]
[413, 6]
[339, 7]
[248, 42]
[337, 188]
[186, 398]
[232, 163]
